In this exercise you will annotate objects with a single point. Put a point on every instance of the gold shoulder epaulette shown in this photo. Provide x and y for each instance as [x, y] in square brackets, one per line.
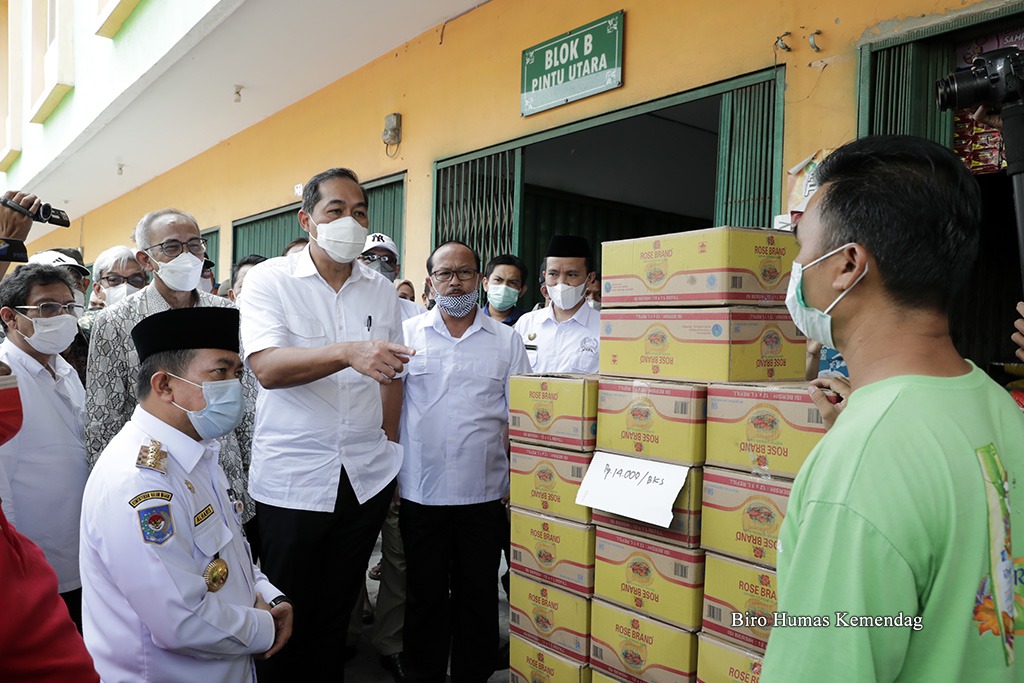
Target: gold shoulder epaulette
[152, 456]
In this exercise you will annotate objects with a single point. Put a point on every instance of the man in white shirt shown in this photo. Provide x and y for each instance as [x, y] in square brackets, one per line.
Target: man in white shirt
[322, 333]
[455, 474]
[565, 336]
[170, 592]
[45, 461]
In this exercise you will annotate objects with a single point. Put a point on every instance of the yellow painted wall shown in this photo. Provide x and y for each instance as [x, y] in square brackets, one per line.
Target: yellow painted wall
[457, 87]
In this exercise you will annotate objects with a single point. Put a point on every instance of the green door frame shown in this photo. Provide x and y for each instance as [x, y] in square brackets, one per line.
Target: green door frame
[517, 144]
[866, 49]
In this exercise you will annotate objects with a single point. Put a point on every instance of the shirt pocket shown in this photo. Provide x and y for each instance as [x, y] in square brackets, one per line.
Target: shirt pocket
[489, 378]
[424, 378]
[307, 332]
[210, 538]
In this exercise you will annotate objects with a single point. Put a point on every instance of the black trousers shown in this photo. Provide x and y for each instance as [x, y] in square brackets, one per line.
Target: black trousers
[318, 559]
[73, 600]
[452, 554]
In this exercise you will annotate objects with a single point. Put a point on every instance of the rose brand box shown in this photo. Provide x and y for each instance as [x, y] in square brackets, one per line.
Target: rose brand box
[738, 344]
[740, 601]
[640, 649]
[699, 268]
[554, 550]
[741, 514]
[530, 663]
[684, 530]
[722, 662]
[547, 480]
[653, 578]
[657, 420]
[557, 410]
[769, 428]
[550, 617]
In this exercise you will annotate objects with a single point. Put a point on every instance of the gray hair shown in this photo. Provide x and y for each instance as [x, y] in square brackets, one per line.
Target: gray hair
[115, 257]
[141, 235]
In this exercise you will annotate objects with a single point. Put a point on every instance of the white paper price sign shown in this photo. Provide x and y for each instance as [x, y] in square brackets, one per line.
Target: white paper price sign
[631, 487]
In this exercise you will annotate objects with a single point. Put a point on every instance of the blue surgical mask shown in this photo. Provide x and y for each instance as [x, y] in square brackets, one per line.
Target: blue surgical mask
[815, 324]
[225, 405]
[502, 297]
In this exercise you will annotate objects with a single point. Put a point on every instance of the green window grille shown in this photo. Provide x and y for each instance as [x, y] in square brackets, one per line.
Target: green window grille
[213, 245]
[268, 233]
[749, 156]
[477, 202]
[898, 91]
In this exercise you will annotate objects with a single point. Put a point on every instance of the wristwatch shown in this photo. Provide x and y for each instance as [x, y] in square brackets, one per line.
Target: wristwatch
[279, 599]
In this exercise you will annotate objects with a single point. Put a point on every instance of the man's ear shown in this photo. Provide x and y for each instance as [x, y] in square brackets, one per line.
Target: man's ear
[522, 292]
[853, 261]
[145, 260]
[304, 222]
[160, 386]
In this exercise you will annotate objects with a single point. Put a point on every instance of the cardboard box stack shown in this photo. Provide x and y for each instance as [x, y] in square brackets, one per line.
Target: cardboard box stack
[553, 427]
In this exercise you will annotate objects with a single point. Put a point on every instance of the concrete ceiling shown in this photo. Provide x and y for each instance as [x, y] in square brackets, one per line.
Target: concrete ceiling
[268, 47]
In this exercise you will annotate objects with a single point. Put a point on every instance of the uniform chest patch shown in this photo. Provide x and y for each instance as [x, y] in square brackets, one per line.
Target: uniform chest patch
[156, 524]
[203, 515]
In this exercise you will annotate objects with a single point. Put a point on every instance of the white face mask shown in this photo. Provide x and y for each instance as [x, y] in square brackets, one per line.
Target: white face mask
[815, 324]
[112, 295]
[343, 239]
[182, 274]
[206, 285]
[52, 335]
[79, 298]
[566, 296]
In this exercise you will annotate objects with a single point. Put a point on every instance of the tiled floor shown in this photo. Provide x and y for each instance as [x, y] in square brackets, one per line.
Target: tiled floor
[365, 668]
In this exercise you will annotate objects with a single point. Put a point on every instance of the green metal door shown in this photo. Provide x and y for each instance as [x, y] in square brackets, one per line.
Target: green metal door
[212, 237]
[386, 205]
[748, 190]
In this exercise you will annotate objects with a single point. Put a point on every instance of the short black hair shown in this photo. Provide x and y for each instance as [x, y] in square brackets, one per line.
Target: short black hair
[294, 243]
[913, 205]
[16, 288]
[508, 260]
[250, 260]
[311, 192]
[430, 259]
[174, 362]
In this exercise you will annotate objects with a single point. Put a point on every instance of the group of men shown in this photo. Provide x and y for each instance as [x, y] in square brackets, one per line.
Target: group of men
[896, 557]
[304, 416]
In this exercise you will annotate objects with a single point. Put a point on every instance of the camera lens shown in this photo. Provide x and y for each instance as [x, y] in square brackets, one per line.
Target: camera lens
[964, 90]
[44, 213]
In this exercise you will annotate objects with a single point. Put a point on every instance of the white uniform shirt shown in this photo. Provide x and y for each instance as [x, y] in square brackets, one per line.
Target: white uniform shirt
[410, 309]
[45, 461]
[456, 409]
[147, 613]
[304, 435]
[570, 346]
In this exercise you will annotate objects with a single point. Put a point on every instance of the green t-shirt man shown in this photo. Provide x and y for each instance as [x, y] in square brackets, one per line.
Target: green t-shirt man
[900, 513]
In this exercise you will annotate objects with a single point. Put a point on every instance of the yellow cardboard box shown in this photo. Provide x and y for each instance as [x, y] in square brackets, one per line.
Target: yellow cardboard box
[530, 663]
[740, 601]
[558, 410]
[710, 267]
[547, 480]
[737, 344]
[554, 550]
[550, 617]
[722, 662]
[767, 428]
[684, 530]
[653, 578]
[657, 420]
[741, 514]
[640, 649]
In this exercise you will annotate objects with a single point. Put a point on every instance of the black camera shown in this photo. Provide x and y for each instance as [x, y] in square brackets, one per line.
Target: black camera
[45, 214]
[994, 79]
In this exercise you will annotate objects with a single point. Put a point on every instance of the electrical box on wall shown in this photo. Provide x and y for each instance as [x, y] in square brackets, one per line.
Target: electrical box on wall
[392, 134]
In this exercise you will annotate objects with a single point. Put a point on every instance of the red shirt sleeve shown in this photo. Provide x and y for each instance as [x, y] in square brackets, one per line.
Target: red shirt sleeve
[38, 640]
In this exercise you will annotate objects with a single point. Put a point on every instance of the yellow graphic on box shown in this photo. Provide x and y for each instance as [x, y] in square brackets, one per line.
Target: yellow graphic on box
[544, 620]
[656, 340]
[545, 477]
[764, 423]
[633, 654]
[543, 414]
[769, 272]
[641, 413]
[656, 274]
[763, 612]
[771, 342]
[762, 516]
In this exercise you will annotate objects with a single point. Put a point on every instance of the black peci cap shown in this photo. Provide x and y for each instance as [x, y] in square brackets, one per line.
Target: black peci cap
[187, 328]
[571, 246]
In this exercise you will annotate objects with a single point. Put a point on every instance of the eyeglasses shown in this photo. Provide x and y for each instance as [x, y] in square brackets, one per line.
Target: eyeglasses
[446, 275]
[173, 248]
[386, 258]
[137, 280]
[51, 309]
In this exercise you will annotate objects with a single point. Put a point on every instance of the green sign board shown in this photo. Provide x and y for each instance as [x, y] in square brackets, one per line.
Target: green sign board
[577, 64]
